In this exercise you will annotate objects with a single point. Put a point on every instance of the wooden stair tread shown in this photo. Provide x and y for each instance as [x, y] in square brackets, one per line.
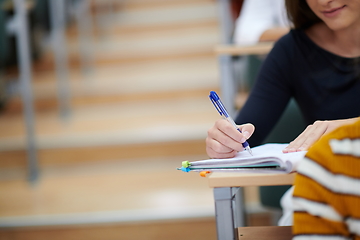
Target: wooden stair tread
[167, 13]
[159, 76]
[157, 120]
[265, 233]
[167, 229]
[154, 4]
[124, 186]
[188, 42]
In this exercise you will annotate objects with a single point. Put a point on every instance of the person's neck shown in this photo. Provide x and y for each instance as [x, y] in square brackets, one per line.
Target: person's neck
[345, 42]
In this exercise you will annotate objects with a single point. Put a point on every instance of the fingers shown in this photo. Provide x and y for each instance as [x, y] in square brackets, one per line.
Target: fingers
[308, 137]
[224, 141]
[223, 144]
[227, 134]
[224, 138]
[214, 154]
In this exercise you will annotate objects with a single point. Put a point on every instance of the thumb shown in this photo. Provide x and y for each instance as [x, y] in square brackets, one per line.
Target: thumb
[247, 130]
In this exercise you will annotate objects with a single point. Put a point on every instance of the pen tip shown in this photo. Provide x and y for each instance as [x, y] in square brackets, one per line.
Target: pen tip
[249, 150]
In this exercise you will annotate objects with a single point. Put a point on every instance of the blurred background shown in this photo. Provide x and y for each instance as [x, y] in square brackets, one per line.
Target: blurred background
[99, 111]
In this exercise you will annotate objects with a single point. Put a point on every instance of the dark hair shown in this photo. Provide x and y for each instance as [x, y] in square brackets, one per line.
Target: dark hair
[300, 14]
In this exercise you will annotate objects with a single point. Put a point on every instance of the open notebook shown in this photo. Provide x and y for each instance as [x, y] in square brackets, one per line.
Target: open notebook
[266, 158]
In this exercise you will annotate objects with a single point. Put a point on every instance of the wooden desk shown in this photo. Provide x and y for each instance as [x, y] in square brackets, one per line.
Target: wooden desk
[226, 188]
[236, 50]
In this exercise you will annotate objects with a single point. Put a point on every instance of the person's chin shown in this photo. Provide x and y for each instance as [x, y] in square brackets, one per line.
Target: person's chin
[337, 25]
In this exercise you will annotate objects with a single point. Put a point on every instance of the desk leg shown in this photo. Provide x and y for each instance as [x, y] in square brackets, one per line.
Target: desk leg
[22, 35]
[227, 200]
[224, 213]
[239, 207]
[58, 22]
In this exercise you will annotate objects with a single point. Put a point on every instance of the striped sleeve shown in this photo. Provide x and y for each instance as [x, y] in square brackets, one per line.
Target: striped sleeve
[326, 197]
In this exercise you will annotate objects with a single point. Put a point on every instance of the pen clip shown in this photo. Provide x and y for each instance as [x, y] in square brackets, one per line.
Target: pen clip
[218, 104]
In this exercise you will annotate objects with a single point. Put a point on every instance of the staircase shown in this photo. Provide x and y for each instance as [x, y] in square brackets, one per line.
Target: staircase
[108, 171]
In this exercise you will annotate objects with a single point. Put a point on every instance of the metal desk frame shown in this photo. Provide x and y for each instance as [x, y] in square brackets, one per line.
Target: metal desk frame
[18, 26]
[20, 29]
[229, 205]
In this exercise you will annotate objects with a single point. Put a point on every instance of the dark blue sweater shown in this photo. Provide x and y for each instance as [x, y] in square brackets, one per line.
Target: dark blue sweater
[324, 85]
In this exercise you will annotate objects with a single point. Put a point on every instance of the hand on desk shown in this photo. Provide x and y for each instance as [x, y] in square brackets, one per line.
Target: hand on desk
[224, 141]
[314, 132]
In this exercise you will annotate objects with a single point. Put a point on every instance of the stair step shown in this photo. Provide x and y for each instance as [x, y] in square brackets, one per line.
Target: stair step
[204, 228]
[159, 29]
[167, 14]
[151, 45]
[117, 123]
[13, 163]
[134, 190]
[177, 42]
[140, 78]
[154, 4]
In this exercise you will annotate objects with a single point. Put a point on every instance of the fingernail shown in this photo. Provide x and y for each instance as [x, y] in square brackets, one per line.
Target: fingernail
[246, 134]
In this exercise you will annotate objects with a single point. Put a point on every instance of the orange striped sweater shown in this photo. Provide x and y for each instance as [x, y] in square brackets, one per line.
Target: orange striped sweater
[327, 188]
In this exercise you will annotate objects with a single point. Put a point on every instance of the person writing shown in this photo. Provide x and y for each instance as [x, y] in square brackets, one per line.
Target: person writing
[317, 63]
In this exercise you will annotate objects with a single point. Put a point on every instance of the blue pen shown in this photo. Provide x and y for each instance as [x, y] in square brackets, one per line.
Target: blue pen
[215, 99]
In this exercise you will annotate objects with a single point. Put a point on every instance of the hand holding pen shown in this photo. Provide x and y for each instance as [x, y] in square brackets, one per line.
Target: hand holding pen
[225, 139]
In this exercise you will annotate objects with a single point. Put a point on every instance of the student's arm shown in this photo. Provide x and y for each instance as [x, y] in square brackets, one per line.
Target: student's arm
[270, 94]
[266, 103]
